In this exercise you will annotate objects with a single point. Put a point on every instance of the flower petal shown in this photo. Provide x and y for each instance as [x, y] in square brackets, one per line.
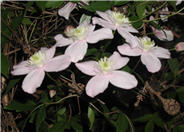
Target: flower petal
[88, 67]
[104, 23]
[123, 79]
[58, 63]
[152, 63]
[77, 51]
[33, 80]
[49, 53]
[160, 52]
[96, 85]
[66, 10]
[129, 38]
[130, 29]
[21, 69]
[62, 41]
[101, 34]
[118, 61]
[163, 34]
[104, 15]
[125, 49]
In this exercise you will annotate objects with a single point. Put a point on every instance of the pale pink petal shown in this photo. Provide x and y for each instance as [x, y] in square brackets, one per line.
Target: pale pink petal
[58, 63]
[151, 62]
[178, 2]
[33, 80]
[125, 49]
[129, 38]
[49, 53]
[77, 51]
[179, 47]
[163, 34]
[118, 61]
[104, 15]
[21, 69]
[123, 79]
[101, 34]
[130, 29]
[160, 52]
[96, 85]
[66, 10]
[62, 41]
[103, 23]
[88, 67]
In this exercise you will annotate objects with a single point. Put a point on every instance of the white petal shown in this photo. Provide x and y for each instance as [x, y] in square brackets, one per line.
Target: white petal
[96, 85]
[163, 34]
[130, 29]
[125, 49]
[77, 51]
[49, 53]
[88, 67]
[33, 80]
[66, 10]
[160, 52]
[101, 34]
[123, 79]
[62, 41]
[104, 15]
[152, 63]
[103, 23]
[58, 63]
[118, 61]
[129, 38]
[21, 69]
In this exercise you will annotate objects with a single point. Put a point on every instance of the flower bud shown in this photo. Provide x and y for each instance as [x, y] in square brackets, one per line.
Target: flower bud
[179, 47]
[52, 93]
[69, 31]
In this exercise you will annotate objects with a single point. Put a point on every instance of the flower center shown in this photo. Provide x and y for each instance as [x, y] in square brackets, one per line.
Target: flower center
[147, 43]
[37, 59]
[105, 64]
[120, 18]
[76, 33]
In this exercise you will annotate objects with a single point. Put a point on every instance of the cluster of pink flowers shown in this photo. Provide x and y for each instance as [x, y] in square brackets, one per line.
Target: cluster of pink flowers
[106, 69]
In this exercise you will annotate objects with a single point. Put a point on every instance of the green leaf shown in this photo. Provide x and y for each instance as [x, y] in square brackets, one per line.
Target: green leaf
[53, 4]
[157, 120]
[4, 65]
[136, 22]
[174, 66]
[43, 127]
[92, 51]
[75, 124]
[144, 118]
[121, 123]
[41, 4]
[149, 126]
[118, 3]
[61, 111]
[91, 117]
[11, 84]
[180, 93]
[98, 6]
[127, 69]
[140, 9]
[40, 117]
[16, 22]
[58, 127]
[26, 21]
[19, 107]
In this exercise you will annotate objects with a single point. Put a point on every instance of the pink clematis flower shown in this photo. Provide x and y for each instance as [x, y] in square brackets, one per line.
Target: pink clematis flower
[36, 66]
[179, 47]
[105, 71]
[117, 21]
[66, 10]
[162, 34]
[148, 51]
[77, 39]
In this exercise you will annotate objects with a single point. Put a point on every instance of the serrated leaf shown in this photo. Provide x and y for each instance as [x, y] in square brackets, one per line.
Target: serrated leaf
[4, 65]
[19, 107]
[61, 111]
[180, 93]
[144, 118]
[91, 117]
[121, 123]
[149, 126]
[40, 117]
[174, 66]
[11, 84]
[140, 9]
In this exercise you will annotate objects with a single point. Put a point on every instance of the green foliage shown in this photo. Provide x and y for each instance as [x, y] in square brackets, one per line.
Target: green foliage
[20, 107]
[40, 117]
[149, 126]
[180, 93]
[121, 123]
[4, 65]
[91, 117]
[174, 66]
